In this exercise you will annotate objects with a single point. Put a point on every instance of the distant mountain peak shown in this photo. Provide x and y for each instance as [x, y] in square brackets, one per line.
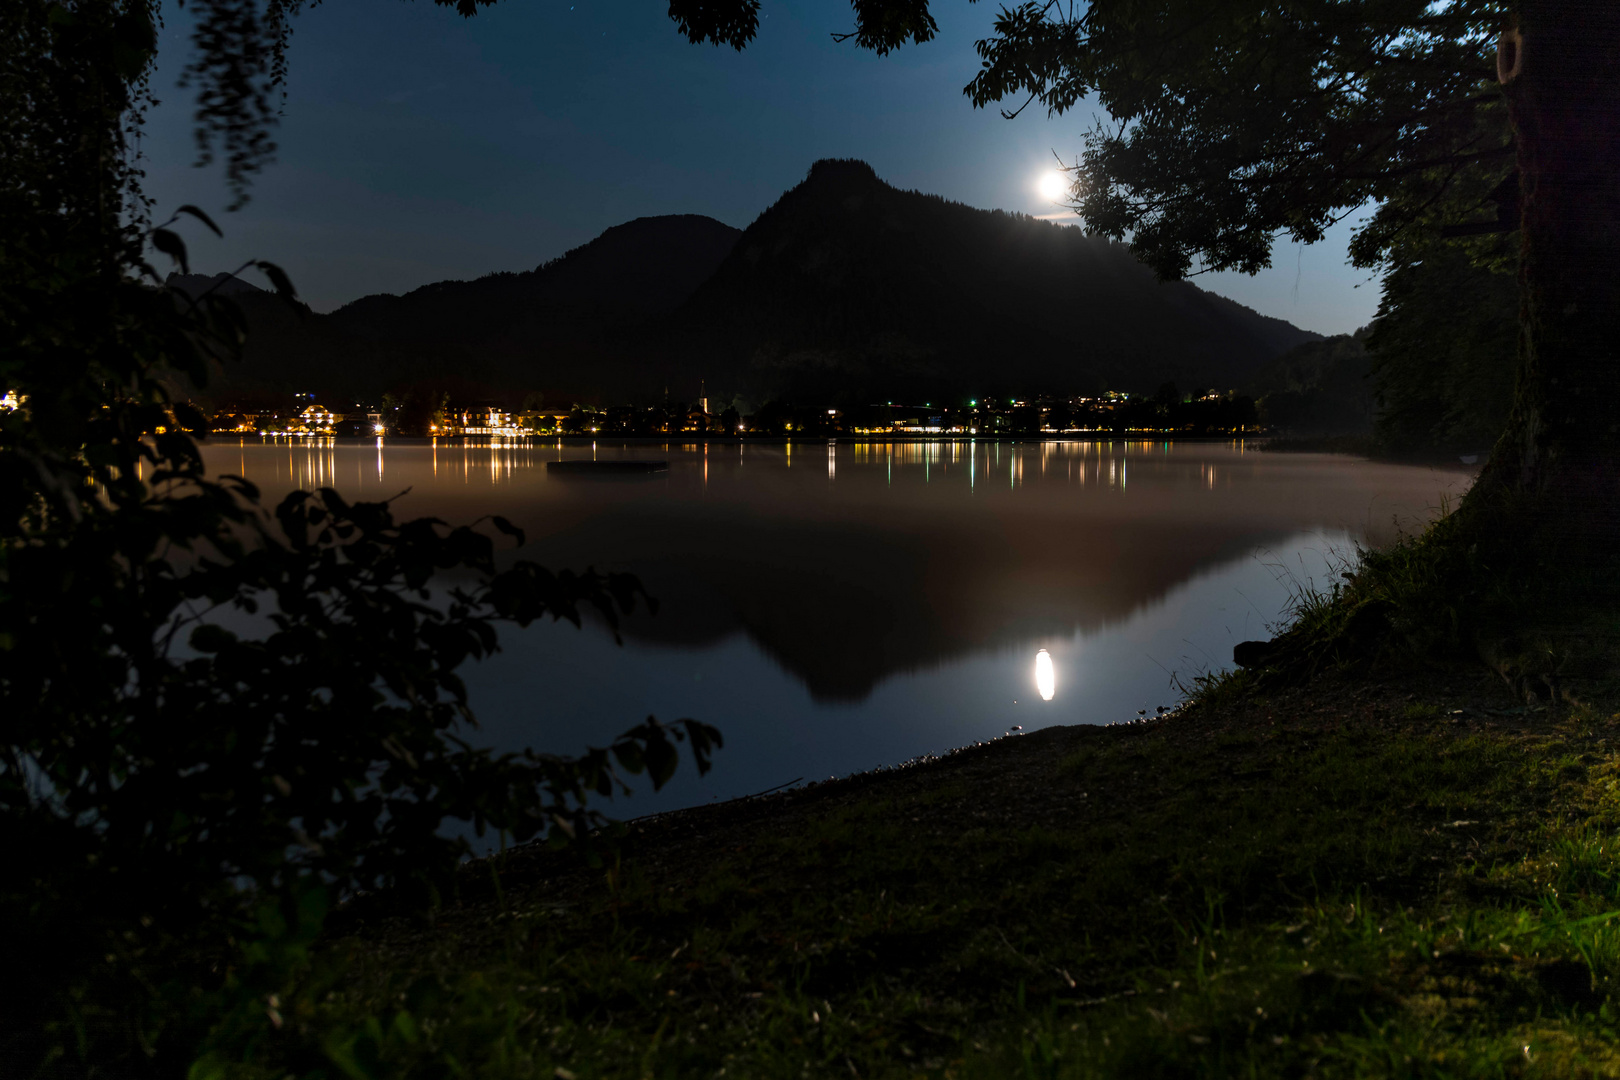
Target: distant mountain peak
[194, 285]
[847, 171]
[852, 288]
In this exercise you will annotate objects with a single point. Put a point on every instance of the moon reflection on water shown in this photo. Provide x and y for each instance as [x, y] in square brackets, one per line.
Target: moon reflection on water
[1045, 677]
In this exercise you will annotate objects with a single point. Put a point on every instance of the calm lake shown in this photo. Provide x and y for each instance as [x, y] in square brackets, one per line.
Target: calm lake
[832, 608]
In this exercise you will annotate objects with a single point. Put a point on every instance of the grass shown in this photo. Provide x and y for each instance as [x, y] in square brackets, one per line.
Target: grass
[1345, 882]
[1371, 856]
[1529, 589]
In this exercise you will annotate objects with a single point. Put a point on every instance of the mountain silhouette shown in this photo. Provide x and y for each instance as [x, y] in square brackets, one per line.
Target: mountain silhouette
[849, 282]
[643, 268]
[572, 323]
[846, 289]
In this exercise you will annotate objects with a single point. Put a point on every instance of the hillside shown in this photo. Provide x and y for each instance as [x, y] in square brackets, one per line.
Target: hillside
[849, 283]
[845, 290]
[1318, 388]
[572, 322]
[642, 269]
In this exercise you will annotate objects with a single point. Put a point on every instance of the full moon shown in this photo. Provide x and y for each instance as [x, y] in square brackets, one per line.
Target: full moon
[1053, 186]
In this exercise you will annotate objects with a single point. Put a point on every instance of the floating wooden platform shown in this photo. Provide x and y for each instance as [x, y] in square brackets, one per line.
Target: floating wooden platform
[611, 467]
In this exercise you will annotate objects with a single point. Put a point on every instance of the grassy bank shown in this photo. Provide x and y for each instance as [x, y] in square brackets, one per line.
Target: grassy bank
[1360, 879]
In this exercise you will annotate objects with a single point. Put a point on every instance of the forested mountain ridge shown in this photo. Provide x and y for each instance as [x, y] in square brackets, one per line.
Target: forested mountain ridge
[570, 320]
[1319, 388]
[845, 290]
[645, 267]
[848, 282]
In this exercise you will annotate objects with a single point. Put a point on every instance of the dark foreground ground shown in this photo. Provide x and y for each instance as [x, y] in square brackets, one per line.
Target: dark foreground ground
[1411, 877]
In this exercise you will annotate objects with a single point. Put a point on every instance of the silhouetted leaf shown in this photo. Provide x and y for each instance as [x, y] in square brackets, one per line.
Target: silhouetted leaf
[279, 281]
[171, 245]
[200, 216]
[717, 22]
[209, 638]
[508, 528]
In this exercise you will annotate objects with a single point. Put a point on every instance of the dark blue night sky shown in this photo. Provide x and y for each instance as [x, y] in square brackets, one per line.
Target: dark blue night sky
[418, 146]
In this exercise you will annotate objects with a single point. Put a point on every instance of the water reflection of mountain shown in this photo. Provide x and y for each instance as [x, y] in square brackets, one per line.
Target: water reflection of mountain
[854, 563]
[846, 604]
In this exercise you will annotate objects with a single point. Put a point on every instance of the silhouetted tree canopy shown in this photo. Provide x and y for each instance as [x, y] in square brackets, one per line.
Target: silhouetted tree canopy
[1444, 350]
[216, 716]
[1234, 121]
[1231, 122]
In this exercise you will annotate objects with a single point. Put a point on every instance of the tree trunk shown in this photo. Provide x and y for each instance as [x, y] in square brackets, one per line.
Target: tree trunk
[1559, 450]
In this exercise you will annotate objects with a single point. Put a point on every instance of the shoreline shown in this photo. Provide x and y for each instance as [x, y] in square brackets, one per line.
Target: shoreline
[1340, 869]
[695, 438]
[1483, 710]
[1347, 446]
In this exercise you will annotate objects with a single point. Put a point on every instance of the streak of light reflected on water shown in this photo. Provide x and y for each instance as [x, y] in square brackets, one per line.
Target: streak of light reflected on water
[1045, 677]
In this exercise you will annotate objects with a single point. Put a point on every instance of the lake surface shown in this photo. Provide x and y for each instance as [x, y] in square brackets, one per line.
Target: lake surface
[832, 608]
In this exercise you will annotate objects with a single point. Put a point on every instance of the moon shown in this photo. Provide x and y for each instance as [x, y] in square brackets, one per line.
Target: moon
[1053, 186]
